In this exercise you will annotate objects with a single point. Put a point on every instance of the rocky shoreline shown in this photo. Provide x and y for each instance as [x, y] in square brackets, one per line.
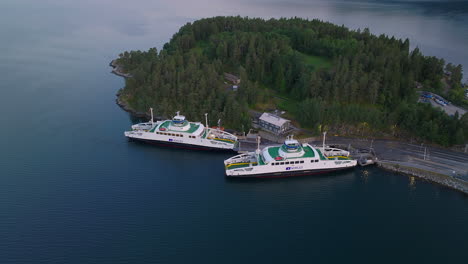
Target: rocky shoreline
[127, 108]
[438, 178]
[117, 70]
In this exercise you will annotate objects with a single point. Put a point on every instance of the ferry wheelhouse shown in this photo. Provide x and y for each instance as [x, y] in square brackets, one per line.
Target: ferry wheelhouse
[290, 159]
[181, 133]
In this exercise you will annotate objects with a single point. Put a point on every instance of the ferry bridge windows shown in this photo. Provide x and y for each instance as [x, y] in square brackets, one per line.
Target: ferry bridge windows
[170, 134]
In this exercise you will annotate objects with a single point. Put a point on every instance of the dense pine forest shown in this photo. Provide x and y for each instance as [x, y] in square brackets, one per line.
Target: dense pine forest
[323, 75]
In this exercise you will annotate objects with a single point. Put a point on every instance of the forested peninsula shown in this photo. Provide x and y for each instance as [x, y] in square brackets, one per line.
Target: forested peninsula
[326, 77]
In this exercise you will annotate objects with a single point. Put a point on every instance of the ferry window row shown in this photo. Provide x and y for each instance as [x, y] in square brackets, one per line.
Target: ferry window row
[314, 161]
[191, 136]
[287, 162]
[169, 134]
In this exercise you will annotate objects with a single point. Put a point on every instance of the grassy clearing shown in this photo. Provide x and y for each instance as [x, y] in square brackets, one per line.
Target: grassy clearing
[200, 47]
[316, 62]
[288, 105]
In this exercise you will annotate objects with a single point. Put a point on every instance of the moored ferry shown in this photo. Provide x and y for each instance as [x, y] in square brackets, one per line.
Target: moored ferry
[181, 133]
[290, 159]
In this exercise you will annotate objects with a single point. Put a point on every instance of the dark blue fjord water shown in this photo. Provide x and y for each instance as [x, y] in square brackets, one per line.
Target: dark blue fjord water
[74, 190]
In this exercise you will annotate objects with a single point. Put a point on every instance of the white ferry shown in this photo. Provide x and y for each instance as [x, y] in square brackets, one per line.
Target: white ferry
[290, 159]
[181, 133]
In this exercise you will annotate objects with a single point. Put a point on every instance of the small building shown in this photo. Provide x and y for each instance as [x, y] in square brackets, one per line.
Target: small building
[232, 78]
[274, 123]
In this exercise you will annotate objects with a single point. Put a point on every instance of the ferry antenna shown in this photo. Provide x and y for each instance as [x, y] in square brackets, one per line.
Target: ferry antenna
[151, 110]
[324, 135]
[258, 144]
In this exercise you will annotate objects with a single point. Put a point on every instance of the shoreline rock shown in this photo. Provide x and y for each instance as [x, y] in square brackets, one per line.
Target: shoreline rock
[117, 70]
[127, 108]
[438, 178]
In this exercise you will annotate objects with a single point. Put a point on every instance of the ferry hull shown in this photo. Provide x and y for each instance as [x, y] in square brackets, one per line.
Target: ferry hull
[285, 174]
[179, 145]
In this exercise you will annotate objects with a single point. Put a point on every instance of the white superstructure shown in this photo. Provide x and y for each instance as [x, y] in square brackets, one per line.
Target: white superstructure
[179, 132]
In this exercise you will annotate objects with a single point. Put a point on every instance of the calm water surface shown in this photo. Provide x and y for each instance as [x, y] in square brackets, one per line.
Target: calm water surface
[74, 190]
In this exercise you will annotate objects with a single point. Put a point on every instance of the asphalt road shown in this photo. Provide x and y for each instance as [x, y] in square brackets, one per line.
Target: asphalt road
[427, 157]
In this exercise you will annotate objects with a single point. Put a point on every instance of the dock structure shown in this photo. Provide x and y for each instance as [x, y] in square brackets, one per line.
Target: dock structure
[364, 156]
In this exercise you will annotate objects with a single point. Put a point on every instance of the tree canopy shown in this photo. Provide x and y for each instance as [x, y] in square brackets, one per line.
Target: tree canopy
[337, 77]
